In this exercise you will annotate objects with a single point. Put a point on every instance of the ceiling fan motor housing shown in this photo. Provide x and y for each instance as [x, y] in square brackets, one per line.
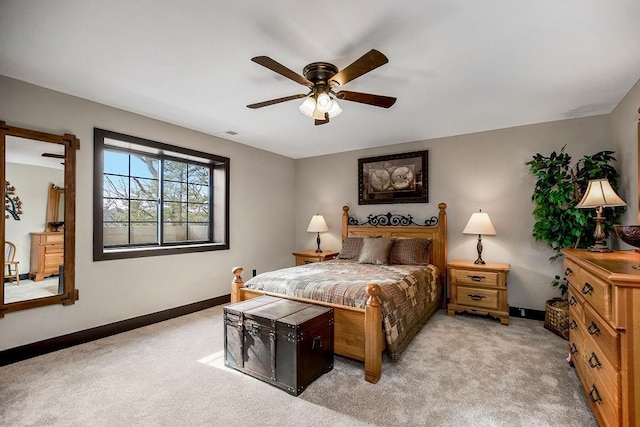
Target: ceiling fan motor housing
[320, 73]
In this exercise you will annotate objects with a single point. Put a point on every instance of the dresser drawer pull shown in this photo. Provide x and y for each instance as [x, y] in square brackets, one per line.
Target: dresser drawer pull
[573, 349]
[476, 297]
[594, 395]
[593, 361]
[568, 272]
[306, 261]
[476, 278]
[573, 324]
[587, 288]
[593, 329]
[573, 300]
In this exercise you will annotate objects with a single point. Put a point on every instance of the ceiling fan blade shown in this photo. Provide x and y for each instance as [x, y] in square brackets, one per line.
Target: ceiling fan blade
[269, 63]
[319, 122]
[276, 101]
[367, 98]
[367, 62]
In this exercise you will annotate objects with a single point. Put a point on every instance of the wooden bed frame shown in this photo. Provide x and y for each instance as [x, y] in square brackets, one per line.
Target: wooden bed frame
[358, 332]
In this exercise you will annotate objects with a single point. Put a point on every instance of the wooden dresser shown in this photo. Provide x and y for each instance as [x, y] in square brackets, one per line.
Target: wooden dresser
[604, 331]
[47, 254]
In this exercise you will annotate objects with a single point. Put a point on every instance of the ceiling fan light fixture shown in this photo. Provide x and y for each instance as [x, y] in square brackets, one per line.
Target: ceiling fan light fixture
[318, 115]
[308, 106]
[323, 103]
[335, 109]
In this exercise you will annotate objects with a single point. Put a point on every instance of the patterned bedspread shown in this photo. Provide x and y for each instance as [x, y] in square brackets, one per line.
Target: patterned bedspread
[408, 292]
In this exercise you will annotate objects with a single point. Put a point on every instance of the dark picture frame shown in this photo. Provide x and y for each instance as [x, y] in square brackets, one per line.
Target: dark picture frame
[395, 178]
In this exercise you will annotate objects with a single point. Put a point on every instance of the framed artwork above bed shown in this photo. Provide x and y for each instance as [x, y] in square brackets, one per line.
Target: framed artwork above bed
[395, 178]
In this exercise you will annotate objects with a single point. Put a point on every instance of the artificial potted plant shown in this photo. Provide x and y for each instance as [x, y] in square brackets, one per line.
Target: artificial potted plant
[559, 187]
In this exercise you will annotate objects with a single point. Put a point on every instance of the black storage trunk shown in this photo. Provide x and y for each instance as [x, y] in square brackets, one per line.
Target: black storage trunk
[285, 343]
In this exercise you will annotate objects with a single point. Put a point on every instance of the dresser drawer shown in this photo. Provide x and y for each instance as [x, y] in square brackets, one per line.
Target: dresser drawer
[603, 373]
[576, 304]
[52, 239]
[595, 292]
[606, 405]
[604, 338]
[482, 278]
[477, 297]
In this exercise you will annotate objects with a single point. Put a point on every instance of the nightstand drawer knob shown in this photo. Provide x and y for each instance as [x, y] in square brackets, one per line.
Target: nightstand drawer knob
[476, 278]
[587, 288]
[593, 329]
[306, 261]
[476, 297]
[593, 361]
[573, 300]
[568, 272]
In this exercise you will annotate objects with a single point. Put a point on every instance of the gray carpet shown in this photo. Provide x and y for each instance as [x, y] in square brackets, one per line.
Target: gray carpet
[462, 371]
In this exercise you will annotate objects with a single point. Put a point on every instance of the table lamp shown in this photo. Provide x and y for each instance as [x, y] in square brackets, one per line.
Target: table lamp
[599, 195]
[317, 225]
[479, 224]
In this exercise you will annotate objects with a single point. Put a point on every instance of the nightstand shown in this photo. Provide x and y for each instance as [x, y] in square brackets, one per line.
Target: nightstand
[479, 289]
[307, 257]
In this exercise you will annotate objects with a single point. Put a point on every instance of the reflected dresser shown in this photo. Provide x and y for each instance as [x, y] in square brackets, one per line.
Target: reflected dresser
[47, 254]
[604, 331]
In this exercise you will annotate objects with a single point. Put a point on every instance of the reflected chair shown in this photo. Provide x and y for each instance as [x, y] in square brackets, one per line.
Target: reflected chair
[10, 264]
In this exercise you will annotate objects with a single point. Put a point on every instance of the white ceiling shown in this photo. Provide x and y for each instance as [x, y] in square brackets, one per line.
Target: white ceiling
[456, 66]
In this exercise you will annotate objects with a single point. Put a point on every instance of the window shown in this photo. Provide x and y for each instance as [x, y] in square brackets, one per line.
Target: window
[153, 199]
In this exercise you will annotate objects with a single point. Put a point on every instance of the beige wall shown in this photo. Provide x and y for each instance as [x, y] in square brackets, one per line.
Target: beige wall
[269, 193]
[479, 171]
[261, 216]
[624, 124]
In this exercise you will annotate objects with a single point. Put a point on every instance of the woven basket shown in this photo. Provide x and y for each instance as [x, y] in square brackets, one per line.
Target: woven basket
[556, 317]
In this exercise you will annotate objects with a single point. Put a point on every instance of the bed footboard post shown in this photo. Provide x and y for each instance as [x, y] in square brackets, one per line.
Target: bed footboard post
[236, 284]
[374, 338]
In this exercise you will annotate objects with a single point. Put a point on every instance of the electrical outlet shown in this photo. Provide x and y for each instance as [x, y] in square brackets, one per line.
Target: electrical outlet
[522, 312]
[254, 273]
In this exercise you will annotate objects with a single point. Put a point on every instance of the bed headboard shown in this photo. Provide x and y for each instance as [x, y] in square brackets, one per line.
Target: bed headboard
[394, 225]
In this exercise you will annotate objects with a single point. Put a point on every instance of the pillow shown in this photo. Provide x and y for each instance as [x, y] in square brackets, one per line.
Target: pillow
[351, 248]
[410, 251]
[375, 250]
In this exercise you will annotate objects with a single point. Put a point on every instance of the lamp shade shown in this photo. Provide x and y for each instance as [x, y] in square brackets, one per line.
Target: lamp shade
[317, 225]
[308, 106]
[600, 193]
[479, 223]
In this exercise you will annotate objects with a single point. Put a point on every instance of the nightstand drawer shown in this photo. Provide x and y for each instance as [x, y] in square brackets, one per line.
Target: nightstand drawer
[483, 278]
[308, 257]
[300, 260]
[477, 297]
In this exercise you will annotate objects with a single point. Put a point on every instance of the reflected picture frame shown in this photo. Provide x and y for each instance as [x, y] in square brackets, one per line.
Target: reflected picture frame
[394, 178]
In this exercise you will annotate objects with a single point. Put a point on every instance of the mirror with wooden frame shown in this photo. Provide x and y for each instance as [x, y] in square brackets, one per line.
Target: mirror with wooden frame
[38, 226]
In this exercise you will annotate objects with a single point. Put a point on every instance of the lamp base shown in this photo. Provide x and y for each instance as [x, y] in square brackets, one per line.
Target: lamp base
[599, 247]
[318, 251]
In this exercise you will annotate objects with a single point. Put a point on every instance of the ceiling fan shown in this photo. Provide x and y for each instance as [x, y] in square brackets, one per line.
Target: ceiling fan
[321, 78]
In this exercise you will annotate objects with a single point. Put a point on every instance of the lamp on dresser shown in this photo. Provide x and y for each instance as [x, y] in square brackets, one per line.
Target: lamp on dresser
[479, 224]
[599, 195]
[317, 225]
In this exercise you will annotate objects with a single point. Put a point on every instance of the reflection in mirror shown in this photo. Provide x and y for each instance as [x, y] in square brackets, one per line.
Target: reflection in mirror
[39, 181]
[41, 169]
